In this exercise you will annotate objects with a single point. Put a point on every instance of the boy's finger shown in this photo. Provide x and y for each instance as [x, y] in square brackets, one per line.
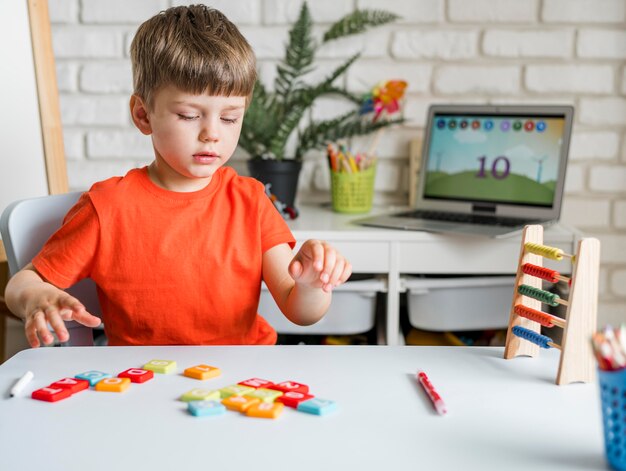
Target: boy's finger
[41, 327]
[347, 271]
[86, 319]
[317, 255]
[337, 271]
[295, 269]
[31, 335]
[57, 324]
[330, 260]
[71, 303]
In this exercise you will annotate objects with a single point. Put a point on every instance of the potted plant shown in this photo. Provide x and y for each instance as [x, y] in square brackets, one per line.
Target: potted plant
[274, 115]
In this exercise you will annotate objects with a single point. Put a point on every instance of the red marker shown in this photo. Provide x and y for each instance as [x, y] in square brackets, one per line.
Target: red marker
[434, 396]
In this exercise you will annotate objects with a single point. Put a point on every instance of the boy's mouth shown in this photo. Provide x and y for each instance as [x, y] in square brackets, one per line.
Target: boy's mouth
[205, 157]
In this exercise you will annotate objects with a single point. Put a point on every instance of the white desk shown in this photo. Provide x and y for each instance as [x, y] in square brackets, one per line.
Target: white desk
[393, 253]
[503, 414]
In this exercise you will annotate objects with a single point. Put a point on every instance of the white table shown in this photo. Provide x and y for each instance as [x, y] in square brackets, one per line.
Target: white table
[503, 414]
[392, 253]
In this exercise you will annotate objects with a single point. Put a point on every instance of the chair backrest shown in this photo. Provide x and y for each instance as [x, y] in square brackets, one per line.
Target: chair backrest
[25, 226]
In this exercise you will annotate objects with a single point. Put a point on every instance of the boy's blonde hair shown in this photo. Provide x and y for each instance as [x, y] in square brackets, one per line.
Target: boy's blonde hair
[196, 49]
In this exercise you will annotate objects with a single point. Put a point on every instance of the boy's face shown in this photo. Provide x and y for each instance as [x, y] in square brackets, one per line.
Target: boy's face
[192, 135]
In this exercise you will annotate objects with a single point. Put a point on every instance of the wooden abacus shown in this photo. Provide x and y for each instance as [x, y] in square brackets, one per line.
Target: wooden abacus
[523, 337]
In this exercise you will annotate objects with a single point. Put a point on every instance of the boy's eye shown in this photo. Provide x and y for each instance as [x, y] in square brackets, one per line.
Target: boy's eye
[187, 117]
[229, 120]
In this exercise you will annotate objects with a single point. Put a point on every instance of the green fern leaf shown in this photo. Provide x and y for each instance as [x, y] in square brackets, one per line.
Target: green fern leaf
[358, 22]
[299, 54]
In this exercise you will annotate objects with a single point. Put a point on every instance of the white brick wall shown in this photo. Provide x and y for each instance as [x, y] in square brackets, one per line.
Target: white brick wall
[528, 43]
[583, 11]
[450, 51]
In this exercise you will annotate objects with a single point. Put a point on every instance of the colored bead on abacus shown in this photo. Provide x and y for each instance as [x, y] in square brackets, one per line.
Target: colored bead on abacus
[542, 340]
[534, 315]
[552, 253]
[544, 296]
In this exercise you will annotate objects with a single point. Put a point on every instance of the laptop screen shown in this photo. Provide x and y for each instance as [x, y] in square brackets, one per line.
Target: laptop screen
[512, 158]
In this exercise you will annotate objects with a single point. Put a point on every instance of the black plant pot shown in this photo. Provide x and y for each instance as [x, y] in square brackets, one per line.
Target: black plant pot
[281, 174]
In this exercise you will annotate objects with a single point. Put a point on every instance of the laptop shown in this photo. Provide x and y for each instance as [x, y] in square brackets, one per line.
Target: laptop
[488, 170]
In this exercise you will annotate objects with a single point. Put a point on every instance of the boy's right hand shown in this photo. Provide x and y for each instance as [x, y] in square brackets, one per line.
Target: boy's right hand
[48, 304]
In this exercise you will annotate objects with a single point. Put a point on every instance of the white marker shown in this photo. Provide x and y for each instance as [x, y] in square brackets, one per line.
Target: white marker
[23, 381]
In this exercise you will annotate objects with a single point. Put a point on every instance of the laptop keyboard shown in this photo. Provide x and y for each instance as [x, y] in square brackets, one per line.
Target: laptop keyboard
[466, 218]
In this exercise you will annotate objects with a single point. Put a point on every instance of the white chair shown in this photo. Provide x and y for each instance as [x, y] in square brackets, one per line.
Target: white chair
[25, 226]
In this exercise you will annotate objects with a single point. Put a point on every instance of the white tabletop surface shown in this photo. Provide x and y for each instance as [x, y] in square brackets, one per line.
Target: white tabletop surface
[503, 414]
[321, 222]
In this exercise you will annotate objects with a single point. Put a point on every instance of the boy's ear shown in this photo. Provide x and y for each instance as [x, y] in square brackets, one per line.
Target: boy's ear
[139, 114]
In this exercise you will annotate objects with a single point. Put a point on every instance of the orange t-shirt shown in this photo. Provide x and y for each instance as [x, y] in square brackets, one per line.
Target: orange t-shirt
[171, 268]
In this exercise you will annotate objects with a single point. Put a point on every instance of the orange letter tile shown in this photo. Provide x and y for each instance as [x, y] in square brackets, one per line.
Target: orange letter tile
[265, 410]
[113, 384]
[239, 403]
[202, 372]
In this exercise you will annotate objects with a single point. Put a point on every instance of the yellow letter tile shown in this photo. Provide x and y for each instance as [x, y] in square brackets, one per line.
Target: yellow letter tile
[199, 394]
[161, 366]
[235, 390]
[265, 395]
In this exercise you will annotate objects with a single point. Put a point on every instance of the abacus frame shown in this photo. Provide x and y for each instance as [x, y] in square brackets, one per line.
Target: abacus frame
[576, 362]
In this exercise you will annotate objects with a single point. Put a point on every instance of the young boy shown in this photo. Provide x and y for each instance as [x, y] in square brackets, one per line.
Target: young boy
[178, 249]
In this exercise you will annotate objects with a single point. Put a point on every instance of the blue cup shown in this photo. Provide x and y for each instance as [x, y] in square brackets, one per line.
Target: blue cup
[613, 398]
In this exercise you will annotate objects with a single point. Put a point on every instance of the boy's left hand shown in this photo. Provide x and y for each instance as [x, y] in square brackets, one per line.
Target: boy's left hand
[319, 265]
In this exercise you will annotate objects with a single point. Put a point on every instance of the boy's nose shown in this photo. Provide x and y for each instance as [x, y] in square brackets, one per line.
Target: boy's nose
[208, 134]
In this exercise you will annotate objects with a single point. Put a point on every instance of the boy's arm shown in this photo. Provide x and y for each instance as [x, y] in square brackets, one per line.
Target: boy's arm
[40, 303]
[302, 285]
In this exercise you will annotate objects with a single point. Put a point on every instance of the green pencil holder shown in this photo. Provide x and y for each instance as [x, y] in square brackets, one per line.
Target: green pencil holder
[613, 399]
[353, 192]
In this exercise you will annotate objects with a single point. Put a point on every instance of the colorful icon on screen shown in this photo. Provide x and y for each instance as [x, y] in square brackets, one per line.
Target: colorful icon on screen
[529, 126]
[541, 126]
[441, 123]
[517, 125]
[488, 125]
[505, 125]
[463, 124]
[452, 124]
[475, 124]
